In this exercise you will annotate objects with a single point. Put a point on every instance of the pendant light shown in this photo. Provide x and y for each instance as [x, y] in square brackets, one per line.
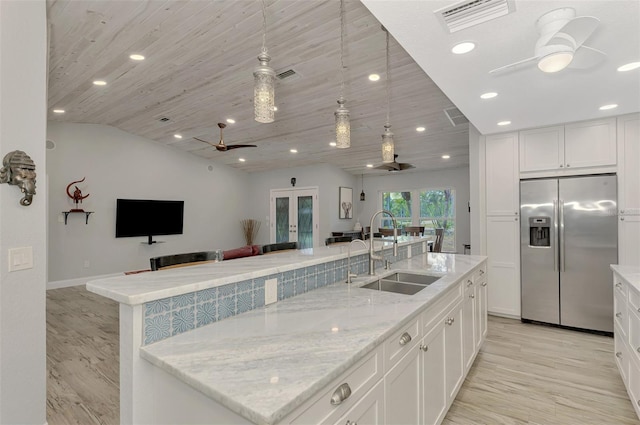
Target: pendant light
[387, 136]
[362, 196]
[343, 126]
[263, 80]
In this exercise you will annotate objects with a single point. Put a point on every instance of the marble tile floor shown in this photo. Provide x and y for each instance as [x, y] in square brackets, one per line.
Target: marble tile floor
[524, 375]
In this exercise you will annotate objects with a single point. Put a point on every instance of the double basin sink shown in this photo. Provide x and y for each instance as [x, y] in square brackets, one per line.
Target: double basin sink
[402, 283]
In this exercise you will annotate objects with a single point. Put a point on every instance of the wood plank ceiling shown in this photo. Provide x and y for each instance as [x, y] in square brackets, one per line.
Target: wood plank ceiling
[200, 56]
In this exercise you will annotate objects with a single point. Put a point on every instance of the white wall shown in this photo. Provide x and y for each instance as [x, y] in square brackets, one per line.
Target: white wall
[22, 293]
[117, 164]
[327, 178]
[456, 178]
[476, 191]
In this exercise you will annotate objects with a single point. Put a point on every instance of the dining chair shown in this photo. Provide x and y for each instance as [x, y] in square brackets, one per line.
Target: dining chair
[437, 245]
[386, 232]
[414, 230]
[181, 260]
[337, 239]
[281, 246]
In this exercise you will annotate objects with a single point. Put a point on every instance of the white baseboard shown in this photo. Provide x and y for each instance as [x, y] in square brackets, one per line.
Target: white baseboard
[78, 281]
[505, 315]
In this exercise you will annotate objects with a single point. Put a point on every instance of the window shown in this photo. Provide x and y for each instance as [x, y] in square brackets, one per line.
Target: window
[431, 208]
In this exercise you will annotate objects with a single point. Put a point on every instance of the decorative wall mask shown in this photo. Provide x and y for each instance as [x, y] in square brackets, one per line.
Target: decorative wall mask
[20, 170]
[77, 195]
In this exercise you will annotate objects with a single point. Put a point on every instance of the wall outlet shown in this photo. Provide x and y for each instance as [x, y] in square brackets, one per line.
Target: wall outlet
[270, 291]
[20, 258]
[87, 264]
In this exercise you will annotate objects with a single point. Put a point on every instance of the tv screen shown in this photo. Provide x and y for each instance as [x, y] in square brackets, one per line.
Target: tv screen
[142, 217]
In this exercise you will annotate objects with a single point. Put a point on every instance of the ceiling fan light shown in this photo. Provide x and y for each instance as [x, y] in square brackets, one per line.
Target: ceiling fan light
[343, 126]
[387, 144]
[555, 62]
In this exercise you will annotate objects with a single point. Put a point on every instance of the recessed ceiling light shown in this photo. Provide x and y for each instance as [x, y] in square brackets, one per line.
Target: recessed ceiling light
[100, 83]
[275, 108]
[629, 66]
[369, 165]
[607, 107]
[178, 136]
[293, 150]
[58, 111]
[231, 121]
[333, 144]
[136, 57]
[420, 129]
[374, 77]
[504, 123]
[446, 156]
[462, 48]
[241, 159]
[488, 95]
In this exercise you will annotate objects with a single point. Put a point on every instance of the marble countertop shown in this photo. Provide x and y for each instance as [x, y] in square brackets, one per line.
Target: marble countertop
[143, 287]
[265, 363]
[631, 274]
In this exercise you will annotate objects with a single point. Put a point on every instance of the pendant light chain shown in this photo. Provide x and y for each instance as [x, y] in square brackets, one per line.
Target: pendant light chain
[264, 80]
[388, 80]
[343, 124]
[264, 26]
[388, 148]
[342, 47]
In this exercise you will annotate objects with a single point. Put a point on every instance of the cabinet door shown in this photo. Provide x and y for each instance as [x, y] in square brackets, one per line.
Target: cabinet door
[629, 240]
[590, 144]
[481, 311]
[541, 149]
[369, 410]
[453, 350]
[502, 175]
[629, 164]
[503, 265]
[434, 394]
[469, 326]
[402, 390]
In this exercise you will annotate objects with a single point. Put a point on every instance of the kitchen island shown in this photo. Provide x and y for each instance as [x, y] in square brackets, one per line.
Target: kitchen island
[274, 364]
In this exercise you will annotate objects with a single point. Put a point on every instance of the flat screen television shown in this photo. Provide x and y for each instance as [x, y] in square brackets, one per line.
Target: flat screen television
[144, 217]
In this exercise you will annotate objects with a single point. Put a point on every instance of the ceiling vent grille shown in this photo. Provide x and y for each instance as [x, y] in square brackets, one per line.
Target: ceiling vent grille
[455, 116]
[289, 74]
[466, 14]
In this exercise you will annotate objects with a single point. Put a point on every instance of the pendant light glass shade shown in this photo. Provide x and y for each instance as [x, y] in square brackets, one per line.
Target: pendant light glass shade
[343, 125]
[263, 90]
[387, 144]
[264, 81]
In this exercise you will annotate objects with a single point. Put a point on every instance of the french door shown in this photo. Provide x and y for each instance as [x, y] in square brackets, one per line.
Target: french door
[294, 216]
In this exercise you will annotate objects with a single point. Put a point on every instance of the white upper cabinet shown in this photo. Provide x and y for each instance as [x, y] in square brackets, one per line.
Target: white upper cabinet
[629, 164]
[566, 148]
[501, 175]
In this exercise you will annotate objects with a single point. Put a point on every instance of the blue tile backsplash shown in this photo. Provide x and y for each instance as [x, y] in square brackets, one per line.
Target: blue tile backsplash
[174, 315]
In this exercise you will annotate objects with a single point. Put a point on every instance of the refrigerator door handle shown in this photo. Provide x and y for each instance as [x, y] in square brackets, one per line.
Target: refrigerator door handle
[561, 204]
[555, 235]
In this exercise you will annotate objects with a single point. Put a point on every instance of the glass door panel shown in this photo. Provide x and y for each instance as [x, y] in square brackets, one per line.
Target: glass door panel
[305, 222]
[294, 217]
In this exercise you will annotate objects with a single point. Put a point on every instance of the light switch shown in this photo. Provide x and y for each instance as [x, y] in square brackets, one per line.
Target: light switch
[20, 258]
[270, 291]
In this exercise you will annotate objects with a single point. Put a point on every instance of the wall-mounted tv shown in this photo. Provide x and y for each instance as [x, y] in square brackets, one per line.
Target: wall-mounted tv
[143, 217]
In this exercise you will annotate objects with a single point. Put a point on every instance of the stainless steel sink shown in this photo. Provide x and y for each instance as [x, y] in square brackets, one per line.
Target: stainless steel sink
[402, 283]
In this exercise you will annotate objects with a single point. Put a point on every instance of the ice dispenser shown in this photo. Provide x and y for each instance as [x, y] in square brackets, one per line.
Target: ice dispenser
[539, 231]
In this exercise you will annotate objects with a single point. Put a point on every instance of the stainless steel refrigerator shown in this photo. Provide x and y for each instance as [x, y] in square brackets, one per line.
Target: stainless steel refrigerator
[569, 237]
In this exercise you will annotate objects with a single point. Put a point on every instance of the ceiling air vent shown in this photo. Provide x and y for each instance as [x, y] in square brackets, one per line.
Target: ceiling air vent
[455, 116]
[164, 119]
[288, 74]
[466, 14]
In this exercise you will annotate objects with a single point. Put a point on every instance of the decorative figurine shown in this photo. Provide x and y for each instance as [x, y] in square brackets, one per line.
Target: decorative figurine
[19, 169]
[77, 195]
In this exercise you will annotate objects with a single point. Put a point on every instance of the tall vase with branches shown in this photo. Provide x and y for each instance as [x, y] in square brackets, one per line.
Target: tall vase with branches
[250, 228]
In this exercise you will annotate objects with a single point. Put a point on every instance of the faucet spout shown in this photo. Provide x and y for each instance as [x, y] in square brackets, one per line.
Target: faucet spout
[349, 274]
[372, 255]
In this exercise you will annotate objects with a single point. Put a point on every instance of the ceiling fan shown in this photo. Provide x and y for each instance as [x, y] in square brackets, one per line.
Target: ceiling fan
[220, 145]
[560, 44]
[394, 166]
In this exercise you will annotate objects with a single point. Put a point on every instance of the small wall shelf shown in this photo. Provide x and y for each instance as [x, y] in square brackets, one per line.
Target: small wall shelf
[86, 215]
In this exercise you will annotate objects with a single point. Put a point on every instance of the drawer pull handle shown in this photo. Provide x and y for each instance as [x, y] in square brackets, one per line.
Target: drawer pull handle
[481, 272]
[425, 348]
[472, 296]
[484, 283]
[405, 339]
[619, 354]
[619, 285]
[450, 321]
[340, 394]
[469, 283]
[618, 315]
[351, 423]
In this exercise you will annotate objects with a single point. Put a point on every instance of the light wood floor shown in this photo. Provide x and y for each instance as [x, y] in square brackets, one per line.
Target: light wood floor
[524, 375]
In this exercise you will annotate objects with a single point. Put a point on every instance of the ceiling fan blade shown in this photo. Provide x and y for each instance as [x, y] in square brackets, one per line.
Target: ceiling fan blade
[404, 166]
[580, 28]
[587, 57]
[239, 146]
[204, 141]
[386, 167]
[513, 65]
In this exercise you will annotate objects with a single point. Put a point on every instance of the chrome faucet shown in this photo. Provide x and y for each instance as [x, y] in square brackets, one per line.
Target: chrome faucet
[372, 255]
[349, 274]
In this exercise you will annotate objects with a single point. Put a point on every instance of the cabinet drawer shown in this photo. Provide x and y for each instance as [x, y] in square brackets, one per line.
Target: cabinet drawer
[620, 287]
[440, 308]
[360, 378]
[620, 313]
[634, 386]
[467, 283]
[480, 273]
[634, 300]
[634, 334]
[400, 343]
[621, 355]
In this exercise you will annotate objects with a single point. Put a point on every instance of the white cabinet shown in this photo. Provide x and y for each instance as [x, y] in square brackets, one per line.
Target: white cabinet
[629, 240]
[481, 311]
[469, 325]
[434, 393]
[629, 189]
[454, 370]
[402, 391]
[579, 145]
[502, 187]
[503, 266]
[369, 410]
